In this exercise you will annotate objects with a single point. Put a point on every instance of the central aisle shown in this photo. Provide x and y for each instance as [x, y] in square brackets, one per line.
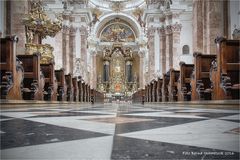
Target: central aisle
[119, 131]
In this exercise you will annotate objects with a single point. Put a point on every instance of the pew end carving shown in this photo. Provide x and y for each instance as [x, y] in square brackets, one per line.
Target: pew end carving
[165, 94]
[225, 70]
[50, 86]
[33, 83]
[11, 70]
[183, 84]
[62, 87]
[75, 89]
[69, 84]
[172, 85]
[159, 89]
[200, 78]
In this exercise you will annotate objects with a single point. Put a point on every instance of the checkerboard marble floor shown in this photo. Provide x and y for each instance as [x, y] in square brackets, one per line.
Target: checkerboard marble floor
[119, 131]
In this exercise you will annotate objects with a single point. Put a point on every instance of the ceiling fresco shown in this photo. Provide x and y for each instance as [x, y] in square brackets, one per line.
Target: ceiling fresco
[117, 32]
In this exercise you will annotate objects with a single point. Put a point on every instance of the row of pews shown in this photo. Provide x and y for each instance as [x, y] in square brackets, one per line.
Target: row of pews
[23, 77]
[211, 77]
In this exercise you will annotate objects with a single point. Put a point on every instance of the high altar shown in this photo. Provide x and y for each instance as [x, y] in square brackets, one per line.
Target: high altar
[118, 71]
[118, 62]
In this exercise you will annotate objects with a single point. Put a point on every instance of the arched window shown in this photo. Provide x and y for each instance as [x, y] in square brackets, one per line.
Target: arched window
[185, 49]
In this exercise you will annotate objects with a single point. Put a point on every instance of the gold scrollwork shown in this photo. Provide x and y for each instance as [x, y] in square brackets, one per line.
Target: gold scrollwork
[46, 51]
[38, 22]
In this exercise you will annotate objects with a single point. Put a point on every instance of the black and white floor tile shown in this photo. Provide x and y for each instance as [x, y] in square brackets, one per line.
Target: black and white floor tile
[119, 131]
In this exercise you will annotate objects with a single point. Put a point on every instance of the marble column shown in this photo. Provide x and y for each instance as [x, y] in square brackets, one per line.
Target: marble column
[169, 48]
[83, 50]
[209, 21]
[176, 28]
[141, 70]
[151, 63]
[65, 49]
[93, 81]
[204, 28]
[72, 49]
[162, 37]
[214, 24]
[15, 12]
[197, 22]
[58, 56]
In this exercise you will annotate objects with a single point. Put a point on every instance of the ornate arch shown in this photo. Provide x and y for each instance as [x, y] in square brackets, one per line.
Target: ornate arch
[124, 18]
[117, 32]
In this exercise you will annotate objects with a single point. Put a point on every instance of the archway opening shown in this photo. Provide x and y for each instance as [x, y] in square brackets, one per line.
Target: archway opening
[117, 60]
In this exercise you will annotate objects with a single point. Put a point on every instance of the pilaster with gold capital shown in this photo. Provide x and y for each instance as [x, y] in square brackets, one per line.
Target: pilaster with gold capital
[162, 44]
[161, 31]
[176, 44]
[65, 29]
[168, 29]
[151, 34]
[176, 28]
[72, 31]
[169, 47]
[83, 30]
[151, 31]
[65, 48]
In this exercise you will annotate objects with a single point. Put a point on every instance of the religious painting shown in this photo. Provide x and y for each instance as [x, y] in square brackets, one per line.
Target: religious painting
[117, 88]
[117, 32]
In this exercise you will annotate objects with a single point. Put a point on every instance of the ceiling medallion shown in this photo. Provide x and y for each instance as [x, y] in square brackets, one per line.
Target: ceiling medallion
[117, 6]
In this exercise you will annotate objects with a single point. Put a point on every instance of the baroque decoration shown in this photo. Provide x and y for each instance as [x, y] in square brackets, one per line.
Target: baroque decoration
[120, 78]
[117, 32]
[38, 24]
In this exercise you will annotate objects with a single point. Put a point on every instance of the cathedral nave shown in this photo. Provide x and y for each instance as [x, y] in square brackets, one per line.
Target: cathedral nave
[119, 79]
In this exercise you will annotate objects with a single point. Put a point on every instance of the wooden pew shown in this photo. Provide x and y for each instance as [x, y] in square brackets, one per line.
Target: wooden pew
[147, 93]
[62, 87]
[96, 96]
[143, 96]
[165, 82]
[138, 96]
[200, 79]
[151, 92]
[89, 93]
[75, 89]
[83, 92]
[183, 84]
[68, 79]
[154, 91]
[11, 70]
[93, 96]
[33, 83]
[172, 85]
[135, 97]
[86, 92]
[159, 90]
[51, 84]
[80, 90]
[225, 70]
